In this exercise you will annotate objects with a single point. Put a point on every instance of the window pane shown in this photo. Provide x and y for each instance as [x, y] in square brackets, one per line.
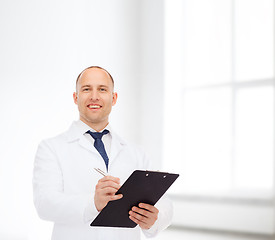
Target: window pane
[254, 39]
[202, 41]
[204, 157]
[207, 46]
[254, 138]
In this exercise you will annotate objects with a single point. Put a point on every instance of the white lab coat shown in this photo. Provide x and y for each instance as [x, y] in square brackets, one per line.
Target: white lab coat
[64, 180]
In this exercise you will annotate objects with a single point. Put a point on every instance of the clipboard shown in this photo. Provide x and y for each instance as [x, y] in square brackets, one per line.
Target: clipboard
[141, 187]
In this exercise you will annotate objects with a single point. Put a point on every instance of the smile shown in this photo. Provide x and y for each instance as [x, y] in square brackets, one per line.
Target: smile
[91, 106]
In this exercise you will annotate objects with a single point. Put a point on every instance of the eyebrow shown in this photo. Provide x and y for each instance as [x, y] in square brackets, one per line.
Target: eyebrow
[84, 86]
[104, 86]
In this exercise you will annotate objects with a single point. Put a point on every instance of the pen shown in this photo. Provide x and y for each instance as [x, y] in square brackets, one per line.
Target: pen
[100, 171]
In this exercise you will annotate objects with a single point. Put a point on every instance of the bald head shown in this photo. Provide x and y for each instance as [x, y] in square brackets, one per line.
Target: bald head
[87, 70]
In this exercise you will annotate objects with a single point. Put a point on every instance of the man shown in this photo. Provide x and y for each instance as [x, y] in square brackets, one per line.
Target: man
[69, 192]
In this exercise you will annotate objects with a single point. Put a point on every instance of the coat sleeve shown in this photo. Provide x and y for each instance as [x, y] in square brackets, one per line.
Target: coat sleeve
[51, 202]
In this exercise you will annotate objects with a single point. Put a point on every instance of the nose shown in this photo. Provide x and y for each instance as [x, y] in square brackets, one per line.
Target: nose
[94, 95]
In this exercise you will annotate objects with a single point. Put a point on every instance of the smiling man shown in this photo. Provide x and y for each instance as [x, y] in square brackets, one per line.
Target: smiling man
[95, 97]
[69, 192]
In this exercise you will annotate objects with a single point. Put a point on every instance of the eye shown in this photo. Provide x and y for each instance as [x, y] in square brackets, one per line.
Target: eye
[102, 90]
[85, 89]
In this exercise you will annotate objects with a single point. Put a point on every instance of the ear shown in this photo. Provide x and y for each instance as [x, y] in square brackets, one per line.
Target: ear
[75, 97]
[114, 98]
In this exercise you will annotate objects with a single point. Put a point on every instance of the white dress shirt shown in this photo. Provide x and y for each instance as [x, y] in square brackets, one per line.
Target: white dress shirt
[64, 180]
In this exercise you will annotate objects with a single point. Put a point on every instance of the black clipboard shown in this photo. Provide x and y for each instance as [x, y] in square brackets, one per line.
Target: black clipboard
[141, 186]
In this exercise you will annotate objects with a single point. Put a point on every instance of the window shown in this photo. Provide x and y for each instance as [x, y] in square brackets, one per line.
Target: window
[219, 96]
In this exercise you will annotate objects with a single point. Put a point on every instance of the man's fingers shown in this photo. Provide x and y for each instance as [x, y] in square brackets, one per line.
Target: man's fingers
[148, 207]
[140, 211]
[137, 216]
[138, 219]
[116, 197]
[144, 215]
[105, 184]
[110, 178]
[107, 191]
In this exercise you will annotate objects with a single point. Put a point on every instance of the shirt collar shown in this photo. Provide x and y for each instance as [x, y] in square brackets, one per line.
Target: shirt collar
[79, 128]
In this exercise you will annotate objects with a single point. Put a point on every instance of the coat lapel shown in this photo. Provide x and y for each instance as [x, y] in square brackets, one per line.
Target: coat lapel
[74, 134]
[116, 147]
[83, 142]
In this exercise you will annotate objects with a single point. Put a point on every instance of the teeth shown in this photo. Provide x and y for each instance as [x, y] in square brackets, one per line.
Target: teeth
[94, 106]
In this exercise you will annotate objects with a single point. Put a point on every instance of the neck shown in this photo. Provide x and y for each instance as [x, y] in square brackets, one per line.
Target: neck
[96, 126]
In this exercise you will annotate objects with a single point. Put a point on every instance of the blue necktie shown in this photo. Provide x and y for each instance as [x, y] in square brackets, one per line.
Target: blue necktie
[99, 145]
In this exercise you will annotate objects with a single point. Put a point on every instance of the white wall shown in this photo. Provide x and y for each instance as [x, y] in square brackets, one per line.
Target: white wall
[44, 45]
[152, 78]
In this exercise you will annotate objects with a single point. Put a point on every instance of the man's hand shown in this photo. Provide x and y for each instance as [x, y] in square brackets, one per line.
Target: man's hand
[105, 191]
[144, 215]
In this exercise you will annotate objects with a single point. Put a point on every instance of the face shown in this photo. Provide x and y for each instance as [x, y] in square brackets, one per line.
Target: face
[94, 97]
